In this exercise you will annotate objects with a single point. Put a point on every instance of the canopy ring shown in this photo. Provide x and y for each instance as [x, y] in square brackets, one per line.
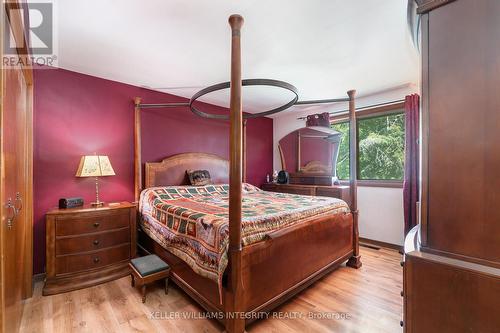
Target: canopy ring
[246, 82]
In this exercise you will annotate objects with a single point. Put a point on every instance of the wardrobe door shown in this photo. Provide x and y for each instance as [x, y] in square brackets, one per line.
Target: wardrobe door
[13, 192]
[461, 96]
[15, 187]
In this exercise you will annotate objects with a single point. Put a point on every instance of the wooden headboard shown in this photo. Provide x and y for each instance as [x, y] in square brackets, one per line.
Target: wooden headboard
[172, 170]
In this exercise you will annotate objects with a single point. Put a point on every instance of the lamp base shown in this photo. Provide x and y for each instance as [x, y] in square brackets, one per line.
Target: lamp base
[97, 204]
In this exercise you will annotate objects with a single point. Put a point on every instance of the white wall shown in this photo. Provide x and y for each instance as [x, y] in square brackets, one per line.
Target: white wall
[381, 209]
[381, 214]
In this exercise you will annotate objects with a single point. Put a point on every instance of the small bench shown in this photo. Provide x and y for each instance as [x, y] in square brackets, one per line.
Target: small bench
[148, 269]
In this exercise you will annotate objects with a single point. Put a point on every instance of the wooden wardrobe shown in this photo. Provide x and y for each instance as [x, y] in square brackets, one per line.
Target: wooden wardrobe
[16, 178]
[452, 275]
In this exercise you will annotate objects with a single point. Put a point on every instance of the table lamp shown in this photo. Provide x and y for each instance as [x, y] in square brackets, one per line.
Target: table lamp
[95, 166]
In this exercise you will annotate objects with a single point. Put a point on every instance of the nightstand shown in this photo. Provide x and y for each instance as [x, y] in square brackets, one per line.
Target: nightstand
[88, 246]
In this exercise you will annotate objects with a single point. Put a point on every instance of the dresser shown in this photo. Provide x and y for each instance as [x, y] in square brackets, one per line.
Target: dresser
[87, 246]
[334, 191]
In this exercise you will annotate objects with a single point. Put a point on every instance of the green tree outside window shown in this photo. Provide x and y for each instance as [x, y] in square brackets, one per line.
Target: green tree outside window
[381, 148]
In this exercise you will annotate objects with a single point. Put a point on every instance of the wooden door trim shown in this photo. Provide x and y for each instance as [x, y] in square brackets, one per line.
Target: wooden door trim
[19, 32]
[424, 166]
[28, 197]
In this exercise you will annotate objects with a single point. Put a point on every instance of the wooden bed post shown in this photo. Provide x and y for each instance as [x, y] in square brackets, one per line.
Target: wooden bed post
[137, 150]
[244, 150]
[298, 151]
[234, 307]
[282, 158]
[355, 260]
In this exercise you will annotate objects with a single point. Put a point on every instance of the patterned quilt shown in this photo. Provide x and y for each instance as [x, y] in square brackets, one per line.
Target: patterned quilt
[192, 221]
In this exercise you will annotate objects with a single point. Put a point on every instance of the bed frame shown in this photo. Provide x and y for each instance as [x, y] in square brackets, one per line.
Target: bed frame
[263, 275]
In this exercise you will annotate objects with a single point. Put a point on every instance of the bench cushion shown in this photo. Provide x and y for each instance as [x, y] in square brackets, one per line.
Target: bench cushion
[149, 265]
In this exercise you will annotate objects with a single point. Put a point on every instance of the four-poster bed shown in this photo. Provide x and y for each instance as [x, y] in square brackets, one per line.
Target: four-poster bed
[265, 272]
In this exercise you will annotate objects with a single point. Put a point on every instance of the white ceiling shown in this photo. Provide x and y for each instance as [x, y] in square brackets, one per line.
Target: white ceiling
[323, 47]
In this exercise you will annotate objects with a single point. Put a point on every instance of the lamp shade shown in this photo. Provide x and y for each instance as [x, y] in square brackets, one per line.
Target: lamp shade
[95, 166]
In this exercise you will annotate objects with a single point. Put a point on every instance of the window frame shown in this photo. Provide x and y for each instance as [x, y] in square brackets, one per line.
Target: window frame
[397, 108]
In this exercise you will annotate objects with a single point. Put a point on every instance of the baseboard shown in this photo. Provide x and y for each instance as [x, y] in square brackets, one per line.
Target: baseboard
[371, 243]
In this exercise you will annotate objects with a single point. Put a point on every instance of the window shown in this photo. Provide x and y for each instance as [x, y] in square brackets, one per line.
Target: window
[343, 160]
[380, 147]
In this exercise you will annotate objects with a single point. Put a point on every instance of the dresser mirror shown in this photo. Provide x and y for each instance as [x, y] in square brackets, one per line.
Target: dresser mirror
[309, 153]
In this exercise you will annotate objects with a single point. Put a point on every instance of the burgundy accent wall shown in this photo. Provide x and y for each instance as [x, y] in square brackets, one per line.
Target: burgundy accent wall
[77, 114]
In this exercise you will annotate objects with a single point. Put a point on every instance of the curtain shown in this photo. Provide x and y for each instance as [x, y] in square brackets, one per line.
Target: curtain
[320, 119]
[410, 184]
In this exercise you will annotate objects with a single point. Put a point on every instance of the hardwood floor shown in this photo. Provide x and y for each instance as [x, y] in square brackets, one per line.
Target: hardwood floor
[369, 296]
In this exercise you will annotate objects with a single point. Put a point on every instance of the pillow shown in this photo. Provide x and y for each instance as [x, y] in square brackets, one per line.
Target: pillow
[199, 177]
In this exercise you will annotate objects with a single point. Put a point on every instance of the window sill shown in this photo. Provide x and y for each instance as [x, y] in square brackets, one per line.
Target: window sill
[377, 183]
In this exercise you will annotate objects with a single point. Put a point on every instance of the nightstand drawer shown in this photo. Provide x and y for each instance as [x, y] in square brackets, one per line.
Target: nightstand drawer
[92, 223]
[91, 242]
[81, 262]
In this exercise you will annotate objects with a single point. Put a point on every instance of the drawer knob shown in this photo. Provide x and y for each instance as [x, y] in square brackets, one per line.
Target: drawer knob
[96, 260]
[402, 263]
[401, 323]
[96, 242]
[402, 293]
[97, 224]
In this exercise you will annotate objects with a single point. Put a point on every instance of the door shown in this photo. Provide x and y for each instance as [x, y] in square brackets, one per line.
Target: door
[13, 184]
[15, 188]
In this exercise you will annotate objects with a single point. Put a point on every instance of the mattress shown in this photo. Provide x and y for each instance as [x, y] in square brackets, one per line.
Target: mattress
[192, 221]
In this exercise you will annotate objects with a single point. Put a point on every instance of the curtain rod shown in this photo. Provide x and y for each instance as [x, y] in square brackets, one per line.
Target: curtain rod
[360, 108]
